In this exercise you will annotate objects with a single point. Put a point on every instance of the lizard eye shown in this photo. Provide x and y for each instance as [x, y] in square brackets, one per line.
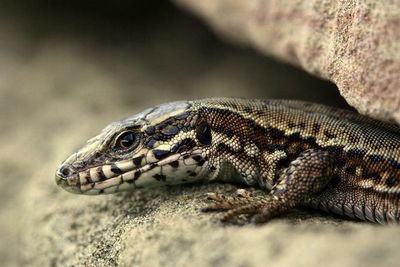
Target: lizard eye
[127, 140]
[203, 133]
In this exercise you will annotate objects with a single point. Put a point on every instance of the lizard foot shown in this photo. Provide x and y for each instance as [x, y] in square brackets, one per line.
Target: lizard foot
[305, 176]
[223, 202]
[242, 203]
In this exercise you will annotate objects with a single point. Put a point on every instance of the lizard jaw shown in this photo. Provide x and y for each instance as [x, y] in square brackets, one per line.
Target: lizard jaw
[124, 175]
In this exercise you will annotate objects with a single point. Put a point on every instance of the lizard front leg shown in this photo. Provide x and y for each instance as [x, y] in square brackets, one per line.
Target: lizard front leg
[306, 176]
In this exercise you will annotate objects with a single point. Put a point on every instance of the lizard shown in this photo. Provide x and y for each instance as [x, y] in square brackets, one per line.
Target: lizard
[298, 153]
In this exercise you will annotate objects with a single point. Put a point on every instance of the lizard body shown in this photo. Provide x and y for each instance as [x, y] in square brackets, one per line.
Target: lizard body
[302, 154]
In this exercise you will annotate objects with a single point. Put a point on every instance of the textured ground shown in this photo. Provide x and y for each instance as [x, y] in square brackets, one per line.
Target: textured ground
[67, 72]
[354, 44]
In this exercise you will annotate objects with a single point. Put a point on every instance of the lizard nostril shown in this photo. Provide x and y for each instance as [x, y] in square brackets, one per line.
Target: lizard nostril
[64, 171]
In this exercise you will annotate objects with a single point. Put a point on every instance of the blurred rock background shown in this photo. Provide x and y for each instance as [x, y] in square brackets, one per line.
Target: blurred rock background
[67, 69]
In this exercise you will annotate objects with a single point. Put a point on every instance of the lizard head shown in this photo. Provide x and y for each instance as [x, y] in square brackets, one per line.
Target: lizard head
[167, 144]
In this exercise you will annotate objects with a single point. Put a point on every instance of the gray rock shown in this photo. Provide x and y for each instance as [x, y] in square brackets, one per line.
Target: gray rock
[355, 44]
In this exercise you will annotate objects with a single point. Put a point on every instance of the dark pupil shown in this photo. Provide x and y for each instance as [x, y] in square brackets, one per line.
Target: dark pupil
[203, 133]
[127, 140]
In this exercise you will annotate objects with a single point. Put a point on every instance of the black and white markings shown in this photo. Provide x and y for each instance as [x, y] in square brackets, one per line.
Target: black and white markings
[184, 145]
[137, 174]
[114, 168]
[160, 177]
[199, 159]
[203, 133]
[170, 130]
[161, 154]
[137, 161]
[174, 164]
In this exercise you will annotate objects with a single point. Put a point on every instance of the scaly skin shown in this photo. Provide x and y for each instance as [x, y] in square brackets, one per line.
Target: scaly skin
[302, 154]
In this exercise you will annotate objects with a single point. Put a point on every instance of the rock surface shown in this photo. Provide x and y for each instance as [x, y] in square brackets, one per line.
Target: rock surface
[355, 44]
[64, 76]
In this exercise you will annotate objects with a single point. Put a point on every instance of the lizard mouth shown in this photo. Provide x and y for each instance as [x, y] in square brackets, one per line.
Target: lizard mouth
[127, 175]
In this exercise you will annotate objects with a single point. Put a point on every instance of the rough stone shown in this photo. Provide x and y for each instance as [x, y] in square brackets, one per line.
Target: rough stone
[355, 44]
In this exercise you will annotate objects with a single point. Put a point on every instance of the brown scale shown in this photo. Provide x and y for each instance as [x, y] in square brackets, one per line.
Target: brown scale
[342, 141]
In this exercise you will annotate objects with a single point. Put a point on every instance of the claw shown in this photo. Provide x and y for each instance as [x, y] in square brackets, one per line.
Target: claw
[242, 203]
[216, 207]
[246, 209]
[215, 196]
